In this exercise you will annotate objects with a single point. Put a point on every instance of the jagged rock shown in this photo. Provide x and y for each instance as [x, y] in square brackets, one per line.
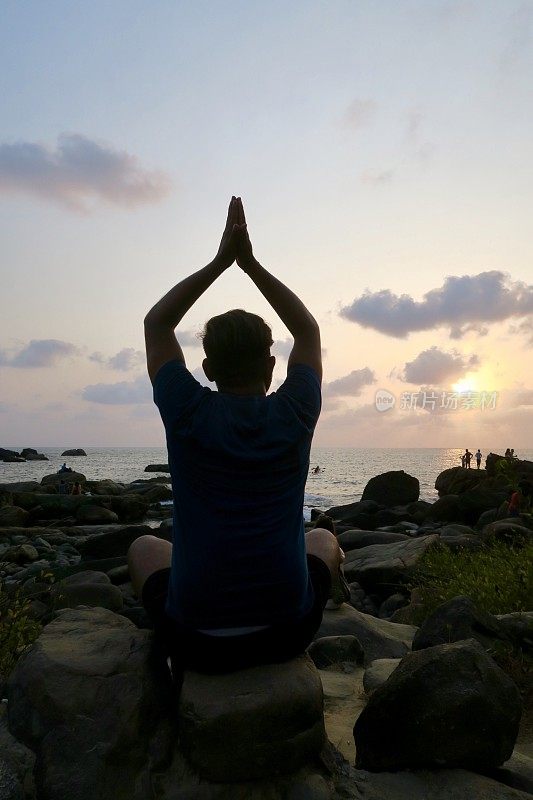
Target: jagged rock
[382, 567]
[379, 638]
[330, 650]
[394, 488]
[13, 516]
[353, 539]
[449, 705]
[459, 619]
[77, 451]
[378, 672]
[7, 454]
[253, 723]
[32, 455]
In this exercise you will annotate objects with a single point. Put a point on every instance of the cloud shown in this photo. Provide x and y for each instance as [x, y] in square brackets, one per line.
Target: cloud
[39, 353]
[462, 303]
[359, 113]
[377, 177]
[435, 367]
[524, 328]
[189, 338]
[524, 398]
[78, 173]
[126, 359]
[122, 393]
[350, 385]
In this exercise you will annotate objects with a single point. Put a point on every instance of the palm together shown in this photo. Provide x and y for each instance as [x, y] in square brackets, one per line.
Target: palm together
[235, 244]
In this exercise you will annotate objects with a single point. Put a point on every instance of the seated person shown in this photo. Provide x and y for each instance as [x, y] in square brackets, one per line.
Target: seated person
[242, 583]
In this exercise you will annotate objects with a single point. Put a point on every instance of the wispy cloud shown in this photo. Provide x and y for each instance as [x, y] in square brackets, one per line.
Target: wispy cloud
[462, 303]
[436, 367]
[38, 353]
[125, 360]
[359, 113]
[78, 172]
[132, 392]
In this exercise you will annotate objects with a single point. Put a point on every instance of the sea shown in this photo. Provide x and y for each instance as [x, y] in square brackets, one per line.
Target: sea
[344, 471]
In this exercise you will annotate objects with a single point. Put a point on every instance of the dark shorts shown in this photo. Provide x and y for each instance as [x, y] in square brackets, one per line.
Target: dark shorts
[190, 649]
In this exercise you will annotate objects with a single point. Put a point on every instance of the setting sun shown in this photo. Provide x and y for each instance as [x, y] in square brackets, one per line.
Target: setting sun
[465, 385]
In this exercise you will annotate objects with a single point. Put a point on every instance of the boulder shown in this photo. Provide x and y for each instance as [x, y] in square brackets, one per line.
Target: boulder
[518, 625]
[253, 723]
[509, 531]
[157, 468]
[32, 455]
[392, 604]
[475, 501]
[458, 479]
[4, 453]
[14, 460]
[354, 539]
[458, 619]
[16, 765]
[331, 650]
[378, 672]
[13, 516]
[437, 784]
[449, 705]
[113, 543]
[382, 567]
[379, 638]
[20, 486]
[77, 451]
[392, 488]
[445, 509]
[87, 700]
[67, 477]
[92, 594]
[20, 554]
[88, 514]
[105, 486]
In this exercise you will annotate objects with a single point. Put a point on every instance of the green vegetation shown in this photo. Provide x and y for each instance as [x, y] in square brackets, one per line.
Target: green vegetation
[17, 629]
[499, 579]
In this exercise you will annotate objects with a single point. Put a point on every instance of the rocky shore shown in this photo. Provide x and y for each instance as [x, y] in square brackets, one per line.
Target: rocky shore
[388, 702]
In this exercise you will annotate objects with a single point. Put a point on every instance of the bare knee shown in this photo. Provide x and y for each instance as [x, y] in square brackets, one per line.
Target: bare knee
[323, 544]
[146, 555]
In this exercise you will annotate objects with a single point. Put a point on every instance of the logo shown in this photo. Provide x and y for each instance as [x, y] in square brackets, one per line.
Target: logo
[384, 400]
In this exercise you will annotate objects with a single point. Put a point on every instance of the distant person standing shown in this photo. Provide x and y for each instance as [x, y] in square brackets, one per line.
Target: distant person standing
[463, 460]
[508, 454]
[478, 458]
[468, 458]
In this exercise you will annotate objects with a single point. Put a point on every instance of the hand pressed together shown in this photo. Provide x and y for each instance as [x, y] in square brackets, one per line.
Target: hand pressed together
[235, 244]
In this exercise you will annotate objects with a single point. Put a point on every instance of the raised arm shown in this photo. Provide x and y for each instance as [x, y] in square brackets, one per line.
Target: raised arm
[288, 306]
[162, 319]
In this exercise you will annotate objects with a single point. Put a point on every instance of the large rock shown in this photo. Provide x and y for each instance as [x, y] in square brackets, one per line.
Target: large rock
[437, 784]
[86, 699]
[394, 488]
[458, 479]
[518, 626]
[13, 516]
[105, 486]
[114, 542]
[354, 539]
[77, 451]
[449, 705]
[157, 468]
[510, 531]
[32, 455]
[4, 453]
[16, 765]
[458, 619]
[378, 672]
[67, 477]
[382, 567]
[92, 594]
[252, 723]
[88, 514]
[335, 650]
[379, 638]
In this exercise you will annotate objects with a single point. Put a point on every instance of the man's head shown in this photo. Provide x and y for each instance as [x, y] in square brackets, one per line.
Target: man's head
[237, 348]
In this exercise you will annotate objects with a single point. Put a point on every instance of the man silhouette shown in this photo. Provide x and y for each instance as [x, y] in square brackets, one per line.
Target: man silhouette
[241, 583]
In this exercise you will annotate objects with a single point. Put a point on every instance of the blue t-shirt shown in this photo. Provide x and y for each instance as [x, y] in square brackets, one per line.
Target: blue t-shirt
[238, 466]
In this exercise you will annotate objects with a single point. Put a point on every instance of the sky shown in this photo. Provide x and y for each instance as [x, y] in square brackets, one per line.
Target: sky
[384, 154]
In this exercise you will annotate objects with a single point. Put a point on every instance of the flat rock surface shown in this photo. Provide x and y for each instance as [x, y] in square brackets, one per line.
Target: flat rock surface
[343, 702]
[386, 565]
[378, 637]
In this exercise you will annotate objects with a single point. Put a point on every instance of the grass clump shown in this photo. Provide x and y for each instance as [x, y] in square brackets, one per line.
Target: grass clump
[17, 629]
[497, 578]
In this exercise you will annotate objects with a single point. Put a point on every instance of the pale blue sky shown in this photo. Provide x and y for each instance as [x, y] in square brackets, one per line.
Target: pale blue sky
[379, 146]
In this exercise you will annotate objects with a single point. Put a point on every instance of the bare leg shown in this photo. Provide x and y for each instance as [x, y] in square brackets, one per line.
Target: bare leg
[146, 555]
[323, 544]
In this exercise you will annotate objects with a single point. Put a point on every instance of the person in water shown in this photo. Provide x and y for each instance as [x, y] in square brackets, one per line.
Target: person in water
[241, 583]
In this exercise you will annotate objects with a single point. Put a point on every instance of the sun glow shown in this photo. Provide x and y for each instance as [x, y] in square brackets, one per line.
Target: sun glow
[465, 385]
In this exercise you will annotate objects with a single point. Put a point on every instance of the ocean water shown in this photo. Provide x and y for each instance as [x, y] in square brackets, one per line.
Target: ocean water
[343, 476]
